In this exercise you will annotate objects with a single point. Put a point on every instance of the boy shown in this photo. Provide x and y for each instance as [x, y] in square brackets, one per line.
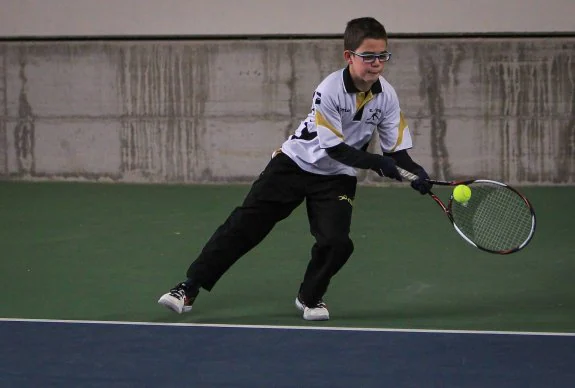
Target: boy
[317, 164]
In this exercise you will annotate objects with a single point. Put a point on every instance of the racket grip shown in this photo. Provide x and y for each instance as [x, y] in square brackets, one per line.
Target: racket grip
[407, 175]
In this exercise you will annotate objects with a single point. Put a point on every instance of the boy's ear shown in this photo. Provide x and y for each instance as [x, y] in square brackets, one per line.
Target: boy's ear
[347, 56]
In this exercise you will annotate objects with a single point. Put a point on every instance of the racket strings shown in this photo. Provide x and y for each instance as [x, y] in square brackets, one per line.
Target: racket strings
[495, 218]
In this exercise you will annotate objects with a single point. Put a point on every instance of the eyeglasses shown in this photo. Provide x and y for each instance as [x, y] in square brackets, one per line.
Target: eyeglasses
[371, 57]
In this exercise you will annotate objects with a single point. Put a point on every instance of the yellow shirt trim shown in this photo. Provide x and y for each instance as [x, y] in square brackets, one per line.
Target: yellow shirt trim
[320, 120]
[400, 131]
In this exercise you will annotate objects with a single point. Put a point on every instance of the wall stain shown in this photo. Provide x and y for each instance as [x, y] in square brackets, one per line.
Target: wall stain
[164, 89]
[291, 84]
[530, 109]
[25, 126]
[564, 70]
[197, 89]
[272, 58]
[438, 66]
[3, 112]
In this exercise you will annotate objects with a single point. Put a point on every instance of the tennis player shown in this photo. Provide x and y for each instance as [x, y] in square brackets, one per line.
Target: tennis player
[317, 164]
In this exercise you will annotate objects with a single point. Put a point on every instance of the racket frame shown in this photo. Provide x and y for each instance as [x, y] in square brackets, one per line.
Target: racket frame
[447, 208]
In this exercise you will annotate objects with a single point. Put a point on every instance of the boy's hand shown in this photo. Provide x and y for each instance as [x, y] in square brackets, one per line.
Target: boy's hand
[385, 166]
[422, 183]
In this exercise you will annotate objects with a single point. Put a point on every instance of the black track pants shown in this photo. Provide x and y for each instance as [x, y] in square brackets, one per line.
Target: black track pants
[282, 187]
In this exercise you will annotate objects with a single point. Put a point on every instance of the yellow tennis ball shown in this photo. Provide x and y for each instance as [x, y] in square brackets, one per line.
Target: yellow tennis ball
[462, 193]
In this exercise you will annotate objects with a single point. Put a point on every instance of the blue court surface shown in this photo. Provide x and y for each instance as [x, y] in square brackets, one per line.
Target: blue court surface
[41, 353]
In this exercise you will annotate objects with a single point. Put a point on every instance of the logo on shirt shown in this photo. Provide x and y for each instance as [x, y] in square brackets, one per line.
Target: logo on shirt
[317, 96]
[374, 114]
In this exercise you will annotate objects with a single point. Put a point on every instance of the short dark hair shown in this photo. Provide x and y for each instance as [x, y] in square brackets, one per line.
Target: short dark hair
[357, 30]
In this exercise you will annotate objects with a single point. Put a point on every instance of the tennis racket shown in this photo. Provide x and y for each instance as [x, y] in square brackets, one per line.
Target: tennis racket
[496, 219]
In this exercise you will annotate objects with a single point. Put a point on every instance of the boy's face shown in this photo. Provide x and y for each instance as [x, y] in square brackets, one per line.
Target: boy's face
[362, 71]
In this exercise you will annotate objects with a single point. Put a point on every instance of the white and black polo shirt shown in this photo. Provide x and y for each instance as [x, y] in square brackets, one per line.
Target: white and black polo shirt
[341, 113]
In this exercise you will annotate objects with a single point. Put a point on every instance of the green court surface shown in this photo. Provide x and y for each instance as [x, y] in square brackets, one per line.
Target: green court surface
[83, 251]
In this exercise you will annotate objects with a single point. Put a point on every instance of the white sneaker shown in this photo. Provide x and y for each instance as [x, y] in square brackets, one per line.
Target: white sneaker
[177, 300]
[318, 312]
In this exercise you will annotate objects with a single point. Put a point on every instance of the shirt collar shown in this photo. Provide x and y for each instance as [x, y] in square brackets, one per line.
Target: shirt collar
[350, 87]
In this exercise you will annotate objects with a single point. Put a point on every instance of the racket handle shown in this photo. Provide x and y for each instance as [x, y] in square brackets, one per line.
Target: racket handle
[407, 175]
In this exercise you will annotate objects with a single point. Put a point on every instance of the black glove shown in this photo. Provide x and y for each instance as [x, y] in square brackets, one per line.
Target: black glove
[385, 166]
[422, 183]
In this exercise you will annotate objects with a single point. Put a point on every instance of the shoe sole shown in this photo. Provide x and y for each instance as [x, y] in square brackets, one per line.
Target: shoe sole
[168, 301]
[302, 308]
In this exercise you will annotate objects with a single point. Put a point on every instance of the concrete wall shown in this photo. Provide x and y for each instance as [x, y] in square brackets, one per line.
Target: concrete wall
[176, 111]
[265, 17]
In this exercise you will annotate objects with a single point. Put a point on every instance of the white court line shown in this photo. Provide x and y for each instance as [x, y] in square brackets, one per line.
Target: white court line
[277, 327]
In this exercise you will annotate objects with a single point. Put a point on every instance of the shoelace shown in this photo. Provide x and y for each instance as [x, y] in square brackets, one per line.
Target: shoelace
[320, 304]
[178, 293]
